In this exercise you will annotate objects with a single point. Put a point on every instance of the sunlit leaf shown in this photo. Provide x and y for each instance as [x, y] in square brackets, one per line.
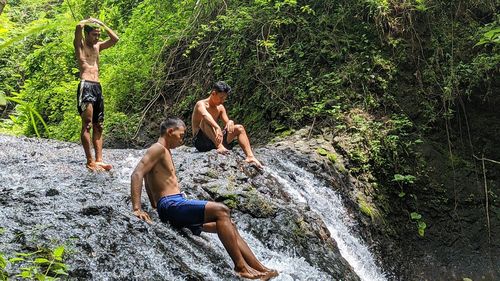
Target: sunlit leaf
[14, 260]
[415, 216]
[41, 260]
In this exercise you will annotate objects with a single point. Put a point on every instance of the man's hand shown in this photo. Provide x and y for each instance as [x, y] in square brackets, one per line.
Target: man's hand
[83, 22]
[96, 21]
[218, 136]
[143, 216]
[230, 126]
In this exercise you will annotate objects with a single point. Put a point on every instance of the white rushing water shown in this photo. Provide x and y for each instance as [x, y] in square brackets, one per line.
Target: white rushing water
[289, 265]
[303, 188]
[323, 200]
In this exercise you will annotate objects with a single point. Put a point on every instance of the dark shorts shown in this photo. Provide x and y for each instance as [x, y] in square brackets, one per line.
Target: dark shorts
[90, 92]
[181, 212]
[203, 143]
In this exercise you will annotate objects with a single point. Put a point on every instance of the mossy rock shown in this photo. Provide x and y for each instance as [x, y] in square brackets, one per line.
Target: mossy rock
[367, 208]
[331, 156]
[257, 205]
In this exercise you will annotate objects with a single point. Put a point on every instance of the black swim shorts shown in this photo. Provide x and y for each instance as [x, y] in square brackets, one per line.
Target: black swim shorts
[90, 92]
[203, 143]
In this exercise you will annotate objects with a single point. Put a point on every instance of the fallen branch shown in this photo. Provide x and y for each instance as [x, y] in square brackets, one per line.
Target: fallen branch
[485, 159]
[486, 201]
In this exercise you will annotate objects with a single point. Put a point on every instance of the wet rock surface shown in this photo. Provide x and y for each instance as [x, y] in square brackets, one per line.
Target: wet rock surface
[48, 198]
[459, 242]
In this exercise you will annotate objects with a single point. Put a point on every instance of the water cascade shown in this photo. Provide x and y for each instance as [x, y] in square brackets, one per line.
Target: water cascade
[304, 187]
[292, 221]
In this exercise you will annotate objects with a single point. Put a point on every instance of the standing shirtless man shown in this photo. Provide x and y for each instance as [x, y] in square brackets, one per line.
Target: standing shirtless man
[89, 93]
[157, 170]
[208, 135]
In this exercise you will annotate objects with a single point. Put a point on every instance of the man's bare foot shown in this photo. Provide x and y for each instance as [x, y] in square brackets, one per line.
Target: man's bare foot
[250, 273]
[271, 273]
[103, 165]
[94, 168]
[222, 150]
[253, 160]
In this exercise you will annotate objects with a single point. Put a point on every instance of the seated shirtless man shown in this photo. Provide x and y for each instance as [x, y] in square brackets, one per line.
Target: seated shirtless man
[89, 94]
[208, 135]
[157, 170]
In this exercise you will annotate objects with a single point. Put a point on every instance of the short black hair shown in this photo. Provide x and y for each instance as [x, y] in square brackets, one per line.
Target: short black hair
[171, 123]
[90, 27]
[221, 86]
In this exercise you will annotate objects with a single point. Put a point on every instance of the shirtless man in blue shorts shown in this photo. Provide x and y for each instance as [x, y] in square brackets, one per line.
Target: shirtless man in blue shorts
[208, 135]
[89, 94]
[157, 170]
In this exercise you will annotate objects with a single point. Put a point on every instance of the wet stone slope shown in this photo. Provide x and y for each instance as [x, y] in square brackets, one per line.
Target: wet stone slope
[48, 198]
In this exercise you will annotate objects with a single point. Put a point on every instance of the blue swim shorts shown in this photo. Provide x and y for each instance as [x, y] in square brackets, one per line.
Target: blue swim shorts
[181, 212]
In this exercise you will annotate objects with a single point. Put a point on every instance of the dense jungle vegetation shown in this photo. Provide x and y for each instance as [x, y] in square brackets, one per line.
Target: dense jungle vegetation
[409, 88]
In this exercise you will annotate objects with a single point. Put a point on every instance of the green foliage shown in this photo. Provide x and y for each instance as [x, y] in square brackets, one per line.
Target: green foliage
[382, 74]
[133, 66]
[421, 225]
[41, 77]
[42, 264]
[368, 208]
[323, 152]
[3, 265]
[39, 63]
[404, 178]
[492, 36]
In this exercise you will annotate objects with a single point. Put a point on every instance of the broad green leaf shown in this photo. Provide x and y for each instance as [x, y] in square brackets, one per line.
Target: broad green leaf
[422, 224]
[25, 274]
[3, 263]
[60, 271]
[41, 260]
[14, 260]
[58, 252]
[3, 101]
[415, 216]
[322, 151]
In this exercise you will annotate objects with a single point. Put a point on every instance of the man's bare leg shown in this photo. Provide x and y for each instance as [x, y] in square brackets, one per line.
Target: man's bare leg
[85, 137]
[247, 254]
[97, 140]
[210, 133]
[219, 214]
[241, 134]
[251, 259]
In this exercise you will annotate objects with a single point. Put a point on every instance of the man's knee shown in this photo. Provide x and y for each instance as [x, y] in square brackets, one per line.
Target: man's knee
[222, 210]
[86, 123]
[97, 126]
[239, 129]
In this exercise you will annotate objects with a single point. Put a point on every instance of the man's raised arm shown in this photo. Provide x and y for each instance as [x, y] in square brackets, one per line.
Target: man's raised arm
[147, 162]
[113, 38]
[78, 40]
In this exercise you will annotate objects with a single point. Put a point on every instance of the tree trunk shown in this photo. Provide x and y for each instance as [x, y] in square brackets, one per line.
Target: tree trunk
[2, 4]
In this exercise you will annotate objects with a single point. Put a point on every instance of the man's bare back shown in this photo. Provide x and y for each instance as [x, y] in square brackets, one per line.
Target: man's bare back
[161, 180]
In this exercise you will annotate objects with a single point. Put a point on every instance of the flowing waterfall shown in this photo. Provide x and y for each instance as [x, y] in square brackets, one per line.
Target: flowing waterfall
[48, 198]
[305, 188]
[290, 266]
